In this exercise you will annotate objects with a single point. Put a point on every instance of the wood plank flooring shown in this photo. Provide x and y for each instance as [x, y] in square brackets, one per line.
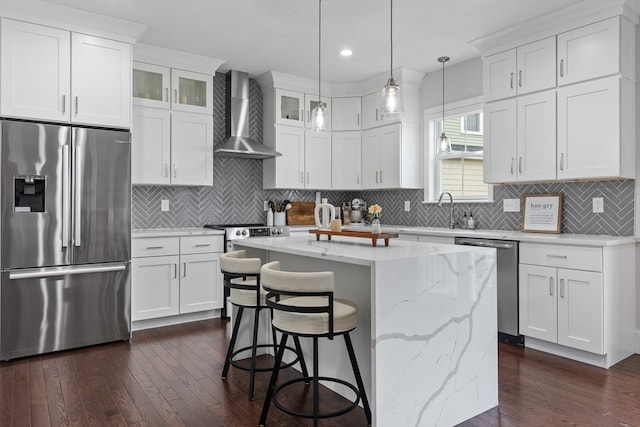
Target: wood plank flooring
[171, 377]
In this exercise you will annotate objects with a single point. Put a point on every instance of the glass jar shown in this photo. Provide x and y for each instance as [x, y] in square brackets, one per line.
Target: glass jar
[375, 224]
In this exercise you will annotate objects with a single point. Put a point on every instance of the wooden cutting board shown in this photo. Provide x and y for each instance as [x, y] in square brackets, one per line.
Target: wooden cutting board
[301, 213]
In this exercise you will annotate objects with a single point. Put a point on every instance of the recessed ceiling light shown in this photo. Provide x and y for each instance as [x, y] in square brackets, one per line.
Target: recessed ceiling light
[346, 52]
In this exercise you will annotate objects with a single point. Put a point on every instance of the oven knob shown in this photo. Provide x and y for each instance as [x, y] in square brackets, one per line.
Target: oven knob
[279, 231]
[238, 233]
[245, 232]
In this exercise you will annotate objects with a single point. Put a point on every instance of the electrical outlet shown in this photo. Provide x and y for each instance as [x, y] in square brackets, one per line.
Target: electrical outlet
[164, 205]
[598, 204]
[511, 205]
[266, 206]
[407, 205]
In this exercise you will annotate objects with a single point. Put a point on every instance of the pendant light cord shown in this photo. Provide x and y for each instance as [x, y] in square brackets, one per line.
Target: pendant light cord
[443, 96]
[319, 49]
[391, 39]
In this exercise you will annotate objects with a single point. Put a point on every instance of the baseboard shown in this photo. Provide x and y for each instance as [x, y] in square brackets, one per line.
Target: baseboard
[637, 341]
[174, 320]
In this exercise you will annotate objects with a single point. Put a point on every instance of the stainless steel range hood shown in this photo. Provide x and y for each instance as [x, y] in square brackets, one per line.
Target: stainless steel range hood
[238, 143]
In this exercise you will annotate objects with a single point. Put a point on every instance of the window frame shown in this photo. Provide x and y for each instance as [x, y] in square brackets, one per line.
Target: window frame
[431, 156]
[463, 125]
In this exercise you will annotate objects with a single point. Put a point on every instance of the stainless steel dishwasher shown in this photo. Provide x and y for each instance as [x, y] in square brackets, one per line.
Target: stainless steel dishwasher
[507, 286]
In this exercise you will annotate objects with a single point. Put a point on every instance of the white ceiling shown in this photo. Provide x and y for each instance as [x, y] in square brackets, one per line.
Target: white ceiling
[260, 35]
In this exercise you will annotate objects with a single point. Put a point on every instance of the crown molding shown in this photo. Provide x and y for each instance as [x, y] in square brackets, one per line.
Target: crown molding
[175, 59]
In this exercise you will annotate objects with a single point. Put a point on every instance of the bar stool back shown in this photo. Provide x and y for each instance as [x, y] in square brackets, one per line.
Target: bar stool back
[304, 306]
[242, 275]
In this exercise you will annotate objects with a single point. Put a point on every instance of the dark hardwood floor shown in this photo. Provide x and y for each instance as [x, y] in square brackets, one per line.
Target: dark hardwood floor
[171, 377]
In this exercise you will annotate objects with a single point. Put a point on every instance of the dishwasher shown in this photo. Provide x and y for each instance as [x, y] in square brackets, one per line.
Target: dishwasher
[507, 285]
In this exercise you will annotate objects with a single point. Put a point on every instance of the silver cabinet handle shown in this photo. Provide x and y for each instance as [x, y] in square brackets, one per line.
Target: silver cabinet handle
[520, 78]
[377, 119]
[184, 269]
[377, 172]
[562, 68]
[155, 247]
[561, 288]
[166, 94]
[66, 196]
[166, 169]
[556, 256]
[551, 286]
[64, 103]
[512, 160]
[308, 116]
[358, 119]
[175, 170]
[301, 177]
[203, 245]
[175, 271]
[175, 96]
[381, 180]
[76, 105]
[307, 177]
[561, 161]
[520, 165]
[511, 82]
[358, 178]
[302, 115]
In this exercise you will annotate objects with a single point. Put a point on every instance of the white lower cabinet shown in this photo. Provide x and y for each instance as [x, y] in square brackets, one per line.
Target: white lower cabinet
[577, 301]
[175, 275]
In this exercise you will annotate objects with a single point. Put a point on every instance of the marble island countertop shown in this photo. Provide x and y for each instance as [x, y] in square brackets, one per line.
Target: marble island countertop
[168, 232]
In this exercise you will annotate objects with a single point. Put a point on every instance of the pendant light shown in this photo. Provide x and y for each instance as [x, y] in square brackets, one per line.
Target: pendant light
[390, 97]
[445, 144]
[319, 113]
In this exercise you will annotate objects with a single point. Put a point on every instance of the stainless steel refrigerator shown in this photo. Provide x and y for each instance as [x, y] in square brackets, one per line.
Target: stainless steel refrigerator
[65, 231]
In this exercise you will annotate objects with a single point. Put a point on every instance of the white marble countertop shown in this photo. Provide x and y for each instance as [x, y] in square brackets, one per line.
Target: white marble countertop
[351, 250]
[558, 239]
[171, 232]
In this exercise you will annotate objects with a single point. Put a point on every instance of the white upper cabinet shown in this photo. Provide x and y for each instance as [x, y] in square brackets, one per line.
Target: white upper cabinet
[191, 92]
[597, 50]
[311, 102]
[317, 160]
[52, 74]
[100, 81]
[596, 129]
[151, 85]
[286, 171]
[150, 146]
[36, 71]
[346, 113]
[528, 68]
[289, 108]
[191, 149]
[371, 112]
[381, 150]
[346, 160]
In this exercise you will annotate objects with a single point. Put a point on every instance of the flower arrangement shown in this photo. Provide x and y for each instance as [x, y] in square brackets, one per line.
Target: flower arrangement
[374, 209]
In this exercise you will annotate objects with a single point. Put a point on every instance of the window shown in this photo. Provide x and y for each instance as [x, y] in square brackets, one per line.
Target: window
[460, 170]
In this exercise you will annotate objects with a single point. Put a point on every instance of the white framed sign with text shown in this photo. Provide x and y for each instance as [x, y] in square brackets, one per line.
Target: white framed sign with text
[542, 213]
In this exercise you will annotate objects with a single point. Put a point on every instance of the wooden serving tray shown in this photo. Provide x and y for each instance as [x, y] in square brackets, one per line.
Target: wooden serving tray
[351, 233]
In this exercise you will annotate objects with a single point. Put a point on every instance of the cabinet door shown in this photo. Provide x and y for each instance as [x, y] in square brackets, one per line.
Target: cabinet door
[536, 66]
[499, 79]
[289, 108]
[36, 71]
[317, 159]
[371, 159]
[536, 128]
[500, 141]
[346, 152]
[191, 149]
[390, 156]
[289, 168]
[191, 92]
[589, 129]
[200, 282]
[150, 146]
[345, 113]
[537, 302]
[151, 85]
[100, 81]
[589, 52]
[154, 287]
[311, 102]
[580, 316]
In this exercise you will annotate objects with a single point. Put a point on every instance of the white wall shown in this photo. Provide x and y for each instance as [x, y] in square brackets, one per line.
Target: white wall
[461, 81]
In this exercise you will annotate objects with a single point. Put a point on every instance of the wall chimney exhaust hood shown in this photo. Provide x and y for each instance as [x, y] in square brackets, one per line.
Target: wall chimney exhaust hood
[238, 143]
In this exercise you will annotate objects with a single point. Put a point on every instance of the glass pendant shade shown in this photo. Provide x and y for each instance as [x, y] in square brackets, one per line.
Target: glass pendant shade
[319, 118]
[391, 100]
[445, 143]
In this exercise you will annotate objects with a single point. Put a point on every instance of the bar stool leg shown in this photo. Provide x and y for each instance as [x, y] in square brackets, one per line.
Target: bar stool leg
[252, 371]
[232, 343]
[316, 386]
[356, 372]
[303, 365]
[272, 382]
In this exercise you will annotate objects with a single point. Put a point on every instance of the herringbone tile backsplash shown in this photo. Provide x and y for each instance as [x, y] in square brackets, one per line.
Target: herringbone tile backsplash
[237, 195]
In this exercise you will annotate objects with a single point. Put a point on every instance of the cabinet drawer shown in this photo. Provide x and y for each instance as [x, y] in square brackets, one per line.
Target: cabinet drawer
[154, 246]
[574, 257]
[200, 244]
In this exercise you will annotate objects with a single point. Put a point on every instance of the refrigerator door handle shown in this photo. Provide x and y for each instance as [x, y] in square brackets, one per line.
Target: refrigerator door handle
[66, 198]
[77, 184]
[42, 273]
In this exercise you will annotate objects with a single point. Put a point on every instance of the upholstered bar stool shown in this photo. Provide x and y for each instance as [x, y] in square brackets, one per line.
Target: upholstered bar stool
[242, 276]
[303, 306]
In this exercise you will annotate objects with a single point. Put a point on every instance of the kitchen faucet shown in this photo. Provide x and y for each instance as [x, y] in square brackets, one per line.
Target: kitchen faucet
[452, 222]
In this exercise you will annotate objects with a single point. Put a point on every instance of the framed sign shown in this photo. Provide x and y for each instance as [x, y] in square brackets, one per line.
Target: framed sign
[542, 213]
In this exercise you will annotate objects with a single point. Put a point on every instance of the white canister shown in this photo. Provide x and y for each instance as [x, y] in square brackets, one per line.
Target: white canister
[269, 217]
[324, 213]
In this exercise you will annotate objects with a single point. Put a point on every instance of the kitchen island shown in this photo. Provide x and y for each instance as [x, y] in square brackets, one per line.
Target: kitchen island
[426, 340]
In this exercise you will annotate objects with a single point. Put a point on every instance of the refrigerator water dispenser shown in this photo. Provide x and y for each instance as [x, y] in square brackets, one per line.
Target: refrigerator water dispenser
[29, 193]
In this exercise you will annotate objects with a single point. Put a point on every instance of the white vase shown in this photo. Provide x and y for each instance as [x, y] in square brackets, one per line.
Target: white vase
[324, 213]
